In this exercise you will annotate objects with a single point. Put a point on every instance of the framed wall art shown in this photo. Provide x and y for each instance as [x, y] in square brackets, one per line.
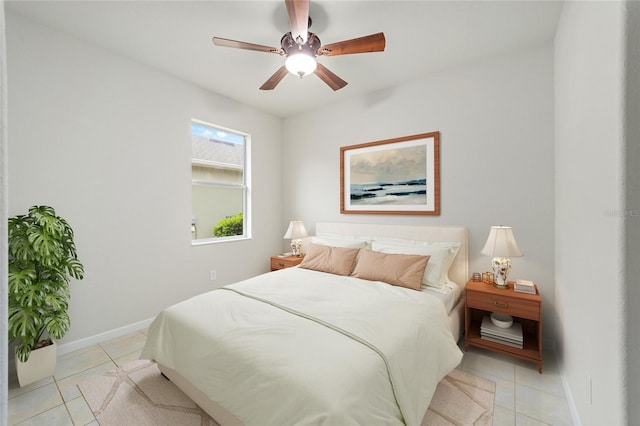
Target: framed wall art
[393, 176]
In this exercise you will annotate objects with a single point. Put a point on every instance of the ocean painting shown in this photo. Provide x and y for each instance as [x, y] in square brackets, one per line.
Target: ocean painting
[389, 177]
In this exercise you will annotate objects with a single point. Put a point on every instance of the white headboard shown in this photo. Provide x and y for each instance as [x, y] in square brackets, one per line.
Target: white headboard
[459, 272]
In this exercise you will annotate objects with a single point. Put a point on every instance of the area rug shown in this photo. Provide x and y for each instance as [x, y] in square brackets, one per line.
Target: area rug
[136, 394]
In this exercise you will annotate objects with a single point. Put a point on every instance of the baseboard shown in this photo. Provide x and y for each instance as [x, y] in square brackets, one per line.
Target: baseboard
[550, 345]
[76, 345]
[69, 347]
[570, 401]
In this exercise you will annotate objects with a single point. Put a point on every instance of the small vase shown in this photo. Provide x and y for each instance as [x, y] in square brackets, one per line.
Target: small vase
[41, 364]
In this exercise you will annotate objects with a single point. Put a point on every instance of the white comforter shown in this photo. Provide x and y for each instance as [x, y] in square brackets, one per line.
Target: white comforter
[303, 347]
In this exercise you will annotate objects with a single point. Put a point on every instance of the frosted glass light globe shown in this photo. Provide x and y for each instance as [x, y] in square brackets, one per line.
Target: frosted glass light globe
[300, 64]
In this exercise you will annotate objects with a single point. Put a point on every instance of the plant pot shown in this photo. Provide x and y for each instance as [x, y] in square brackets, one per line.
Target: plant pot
[41, 364]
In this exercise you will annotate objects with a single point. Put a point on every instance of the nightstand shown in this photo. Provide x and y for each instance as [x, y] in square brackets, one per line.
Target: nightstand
[278, 262]
[482, 299]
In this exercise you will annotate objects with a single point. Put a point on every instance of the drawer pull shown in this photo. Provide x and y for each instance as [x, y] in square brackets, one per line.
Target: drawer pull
[281, 264]
[502, 305]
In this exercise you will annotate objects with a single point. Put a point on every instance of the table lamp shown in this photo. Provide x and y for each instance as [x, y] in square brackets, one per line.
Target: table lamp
[501, 245]
[295, 232]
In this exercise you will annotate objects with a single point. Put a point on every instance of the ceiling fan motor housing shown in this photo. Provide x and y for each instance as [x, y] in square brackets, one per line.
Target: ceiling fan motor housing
[289, 45]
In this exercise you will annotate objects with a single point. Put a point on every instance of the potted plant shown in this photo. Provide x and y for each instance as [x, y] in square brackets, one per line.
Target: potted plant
[42, 260]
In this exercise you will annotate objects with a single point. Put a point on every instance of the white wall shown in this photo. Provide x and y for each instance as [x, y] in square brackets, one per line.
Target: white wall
[590, 173]
[106, 141]
[4, 214]
[632, 224]
[496, 125]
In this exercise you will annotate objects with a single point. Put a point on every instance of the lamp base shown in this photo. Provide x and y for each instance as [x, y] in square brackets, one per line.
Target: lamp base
[501, 268]
[296, 245]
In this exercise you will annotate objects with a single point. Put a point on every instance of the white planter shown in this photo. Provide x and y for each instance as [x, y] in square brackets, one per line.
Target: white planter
[41, 364]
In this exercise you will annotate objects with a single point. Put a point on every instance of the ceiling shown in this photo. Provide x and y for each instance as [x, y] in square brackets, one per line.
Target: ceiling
[422, 37]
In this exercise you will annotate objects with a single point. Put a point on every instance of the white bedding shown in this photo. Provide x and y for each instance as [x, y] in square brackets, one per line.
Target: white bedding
[449, 295]
[298, 346]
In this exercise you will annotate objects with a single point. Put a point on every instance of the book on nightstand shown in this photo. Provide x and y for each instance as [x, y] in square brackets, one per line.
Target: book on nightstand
[511, 336]
[524, 286]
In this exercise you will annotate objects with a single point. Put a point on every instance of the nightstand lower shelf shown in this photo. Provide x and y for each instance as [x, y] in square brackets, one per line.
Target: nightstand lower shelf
[529, 352]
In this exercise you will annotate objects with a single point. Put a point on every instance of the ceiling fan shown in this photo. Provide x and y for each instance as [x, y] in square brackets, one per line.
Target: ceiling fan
[302, 47]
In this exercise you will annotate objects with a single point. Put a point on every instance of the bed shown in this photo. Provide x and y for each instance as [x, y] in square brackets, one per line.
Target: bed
[307, 346]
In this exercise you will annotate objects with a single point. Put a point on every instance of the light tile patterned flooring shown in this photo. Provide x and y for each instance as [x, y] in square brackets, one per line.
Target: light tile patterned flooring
[523, 396]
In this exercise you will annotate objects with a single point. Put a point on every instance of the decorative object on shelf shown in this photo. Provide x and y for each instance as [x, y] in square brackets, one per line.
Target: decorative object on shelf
[295, 232]
[501, 320]
[476, 277]
[393, 176]
[501, 245]
[487, 277]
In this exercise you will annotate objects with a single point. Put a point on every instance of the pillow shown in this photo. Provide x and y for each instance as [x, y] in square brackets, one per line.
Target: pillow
[337, 241]
[442, 255]
[334, 260]
[342, 236]
[398, 269]
[452, 246]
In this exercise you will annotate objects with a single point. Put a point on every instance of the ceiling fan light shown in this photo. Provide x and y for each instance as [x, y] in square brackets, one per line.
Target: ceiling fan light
[300, 64]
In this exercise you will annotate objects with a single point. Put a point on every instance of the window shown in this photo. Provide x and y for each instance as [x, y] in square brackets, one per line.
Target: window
[219, 183]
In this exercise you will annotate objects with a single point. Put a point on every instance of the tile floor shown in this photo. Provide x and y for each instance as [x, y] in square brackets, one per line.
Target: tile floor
[57, 400]
[523, 396]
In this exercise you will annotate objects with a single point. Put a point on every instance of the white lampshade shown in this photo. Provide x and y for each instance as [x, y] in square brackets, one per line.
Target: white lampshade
[300, 64]
[296, 230]
[501, 243]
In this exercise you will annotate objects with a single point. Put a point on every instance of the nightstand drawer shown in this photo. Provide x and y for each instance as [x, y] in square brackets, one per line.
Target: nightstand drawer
[503, 303]
[284, 262]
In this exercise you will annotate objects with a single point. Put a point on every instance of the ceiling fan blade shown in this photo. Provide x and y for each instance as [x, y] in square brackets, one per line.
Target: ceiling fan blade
[332, 80]
[370, 43]
[248, 46]
[298, 11]
[276, 78]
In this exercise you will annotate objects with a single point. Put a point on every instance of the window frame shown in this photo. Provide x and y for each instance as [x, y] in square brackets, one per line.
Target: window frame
[246, 186]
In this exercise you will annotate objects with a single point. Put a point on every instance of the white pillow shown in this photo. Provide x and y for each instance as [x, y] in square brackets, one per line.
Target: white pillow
[442, 255]
[339, 241]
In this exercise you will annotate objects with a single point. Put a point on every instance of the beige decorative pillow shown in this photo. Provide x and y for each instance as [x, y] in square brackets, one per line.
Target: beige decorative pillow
[404, 270]
[334, 260]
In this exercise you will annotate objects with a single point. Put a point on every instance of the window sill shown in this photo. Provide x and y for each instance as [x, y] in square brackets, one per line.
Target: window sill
[207, 241]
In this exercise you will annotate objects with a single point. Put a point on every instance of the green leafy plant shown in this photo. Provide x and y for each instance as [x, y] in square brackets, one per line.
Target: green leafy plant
[229, 226]
[42, 260]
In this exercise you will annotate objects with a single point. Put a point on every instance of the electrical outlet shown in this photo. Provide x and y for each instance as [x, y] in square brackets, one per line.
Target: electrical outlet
[213, 275]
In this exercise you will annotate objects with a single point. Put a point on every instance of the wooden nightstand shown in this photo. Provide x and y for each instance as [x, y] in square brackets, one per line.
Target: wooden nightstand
[278, 262]
[481, 299]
